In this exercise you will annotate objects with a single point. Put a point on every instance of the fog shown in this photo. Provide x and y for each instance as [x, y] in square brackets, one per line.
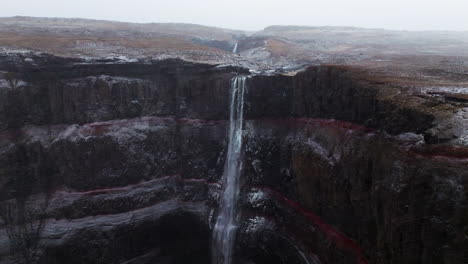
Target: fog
[257, 14]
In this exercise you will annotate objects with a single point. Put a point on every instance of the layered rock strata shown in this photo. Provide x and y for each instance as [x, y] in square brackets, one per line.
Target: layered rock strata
[106, 162]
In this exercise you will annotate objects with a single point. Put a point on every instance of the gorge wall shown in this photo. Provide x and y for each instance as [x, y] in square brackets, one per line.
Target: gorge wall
[107, 162]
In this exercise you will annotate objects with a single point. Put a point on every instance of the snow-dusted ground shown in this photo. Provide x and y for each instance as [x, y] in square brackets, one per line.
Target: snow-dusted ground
[272, 48]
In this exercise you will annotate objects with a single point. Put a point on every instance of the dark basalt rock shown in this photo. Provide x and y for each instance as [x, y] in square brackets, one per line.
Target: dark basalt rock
[333, 92]
[362, 184]
[82, 92]
[108, 162]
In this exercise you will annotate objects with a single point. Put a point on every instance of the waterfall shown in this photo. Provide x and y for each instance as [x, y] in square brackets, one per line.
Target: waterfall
[225, 228]
[234, 50]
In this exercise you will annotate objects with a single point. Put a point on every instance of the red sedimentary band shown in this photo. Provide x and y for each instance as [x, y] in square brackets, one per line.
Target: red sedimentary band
[303, 122]
[427, 151]
[100, 128]
[199, 121]
[125, 188]
[129, 187]
[442, 152]
[340, 240]
[332, 123]
[105, 190]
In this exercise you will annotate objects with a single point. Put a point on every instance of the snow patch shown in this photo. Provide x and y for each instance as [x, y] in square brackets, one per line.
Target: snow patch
[257, 199]
[253, 224]
[446, 89]
[126, 59]
[16, 84]
[4, 84]
[411, 138]
[71, 133]
[319, 150]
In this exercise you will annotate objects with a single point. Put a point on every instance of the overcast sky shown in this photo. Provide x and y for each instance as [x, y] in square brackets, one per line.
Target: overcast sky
[256, 14]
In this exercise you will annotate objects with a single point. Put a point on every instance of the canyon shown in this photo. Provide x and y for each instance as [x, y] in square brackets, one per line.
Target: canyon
[114, 139]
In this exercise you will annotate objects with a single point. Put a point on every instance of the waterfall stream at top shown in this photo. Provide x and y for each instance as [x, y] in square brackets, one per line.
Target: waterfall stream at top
[225, 228]
[234, 50]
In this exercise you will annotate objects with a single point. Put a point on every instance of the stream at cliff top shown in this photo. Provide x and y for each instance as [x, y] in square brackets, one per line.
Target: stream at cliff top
[225, 228]
[234, 50]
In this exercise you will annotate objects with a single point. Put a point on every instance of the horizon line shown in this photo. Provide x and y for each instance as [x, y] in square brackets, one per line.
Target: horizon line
[244, 30]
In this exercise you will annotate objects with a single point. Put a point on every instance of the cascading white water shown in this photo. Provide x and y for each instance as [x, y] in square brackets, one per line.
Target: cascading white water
[234, 50]
[225, 228]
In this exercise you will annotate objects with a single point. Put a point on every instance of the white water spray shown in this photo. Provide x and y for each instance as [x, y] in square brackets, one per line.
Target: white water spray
[225, 228]
[234, 50]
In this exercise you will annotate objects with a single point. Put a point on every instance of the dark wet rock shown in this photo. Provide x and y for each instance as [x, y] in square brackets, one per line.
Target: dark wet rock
[119, 162]
[69, 92]
[362, 184]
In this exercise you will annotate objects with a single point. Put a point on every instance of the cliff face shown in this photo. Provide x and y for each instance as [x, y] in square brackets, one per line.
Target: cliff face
[106, 162]
[368, 162]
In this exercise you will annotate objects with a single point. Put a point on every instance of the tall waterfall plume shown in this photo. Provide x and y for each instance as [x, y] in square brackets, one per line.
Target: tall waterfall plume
[225, 228]
[234, 50]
